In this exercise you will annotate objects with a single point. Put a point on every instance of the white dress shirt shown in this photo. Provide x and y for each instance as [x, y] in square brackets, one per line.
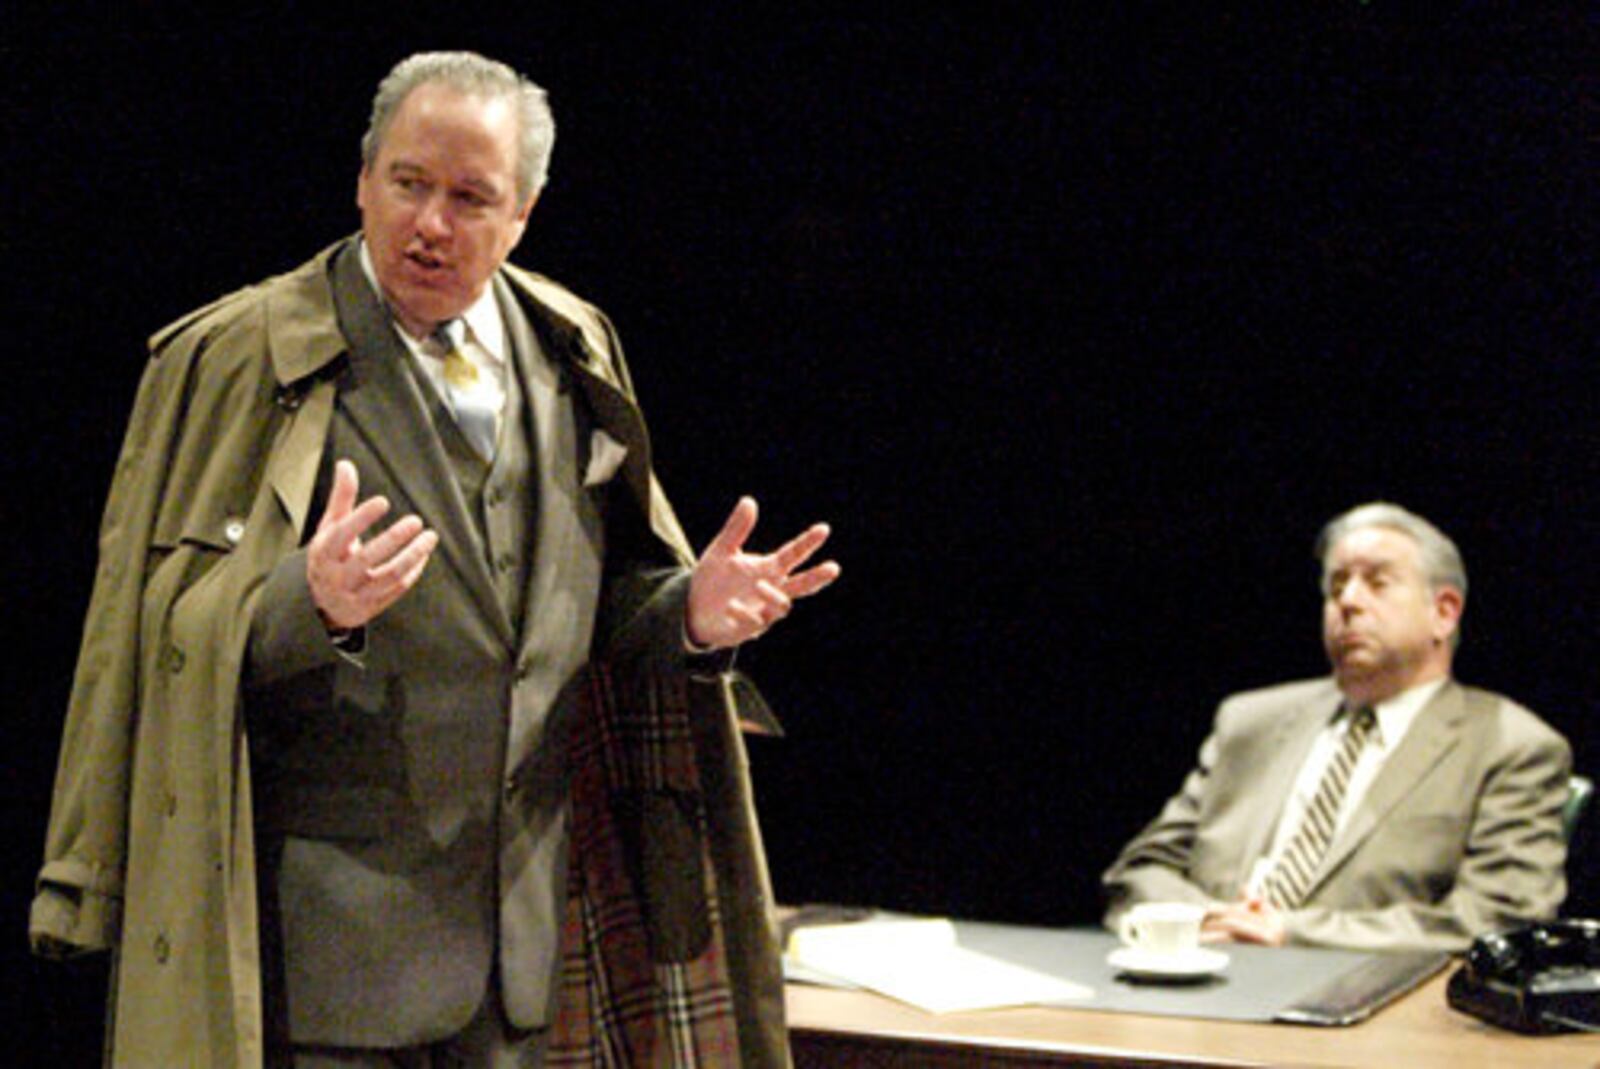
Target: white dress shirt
[1394, 719]
[485, 342]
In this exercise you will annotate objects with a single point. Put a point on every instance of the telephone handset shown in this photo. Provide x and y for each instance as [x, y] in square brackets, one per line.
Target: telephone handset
[1537, 978]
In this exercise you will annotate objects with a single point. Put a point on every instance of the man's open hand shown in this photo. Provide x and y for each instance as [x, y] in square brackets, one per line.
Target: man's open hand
[735, 595]
[353, 581]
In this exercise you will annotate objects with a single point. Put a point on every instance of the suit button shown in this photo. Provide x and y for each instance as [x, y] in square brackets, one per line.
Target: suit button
[174, 659]
[163, 949]
[505, 562]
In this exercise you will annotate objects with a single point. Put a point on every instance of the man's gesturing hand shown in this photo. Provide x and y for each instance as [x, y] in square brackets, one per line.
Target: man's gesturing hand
[735, 596]
[353, 581]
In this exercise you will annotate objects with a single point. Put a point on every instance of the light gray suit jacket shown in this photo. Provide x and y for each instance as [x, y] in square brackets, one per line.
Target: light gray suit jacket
[1459, 834]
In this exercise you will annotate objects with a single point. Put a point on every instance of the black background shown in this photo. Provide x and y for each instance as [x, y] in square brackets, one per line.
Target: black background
[1076, 327]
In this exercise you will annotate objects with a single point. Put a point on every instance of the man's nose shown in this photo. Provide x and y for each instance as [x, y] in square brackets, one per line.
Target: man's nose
[433, 219]
[1352, 595]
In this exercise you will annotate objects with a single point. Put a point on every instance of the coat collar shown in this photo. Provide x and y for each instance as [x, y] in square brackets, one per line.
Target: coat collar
[302, 330]
[303, 333]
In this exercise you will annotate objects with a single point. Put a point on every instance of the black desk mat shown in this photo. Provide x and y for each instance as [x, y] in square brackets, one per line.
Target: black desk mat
[1298, 985]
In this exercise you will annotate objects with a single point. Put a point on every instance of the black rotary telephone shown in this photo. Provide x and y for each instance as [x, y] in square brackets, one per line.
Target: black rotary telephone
[1537, 978]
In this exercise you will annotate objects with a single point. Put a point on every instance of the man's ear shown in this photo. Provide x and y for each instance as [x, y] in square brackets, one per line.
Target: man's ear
[527, 209]
[1448, 604]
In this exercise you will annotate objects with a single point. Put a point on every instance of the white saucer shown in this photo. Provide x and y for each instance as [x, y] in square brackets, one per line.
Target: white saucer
[1146, 964]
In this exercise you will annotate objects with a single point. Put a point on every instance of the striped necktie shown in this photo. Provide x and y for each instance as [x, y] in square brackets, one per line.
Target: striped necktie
[473, 398]
[1289, 880]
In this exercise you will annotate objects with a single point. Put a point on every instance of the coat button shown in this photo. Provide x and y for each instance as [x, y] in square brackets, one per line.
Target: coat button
[233, 530]
[163, 949]
[174, 659]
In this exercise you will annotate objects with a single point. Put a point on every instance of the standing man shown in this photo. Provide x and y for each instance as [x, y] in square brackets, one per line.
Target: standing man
[484, 759]
[1387, 807]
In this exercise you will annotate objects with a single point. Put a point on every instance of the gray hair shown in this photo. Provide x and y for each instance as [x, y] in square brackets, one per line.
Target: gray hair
[1441, 560]
[468, 72]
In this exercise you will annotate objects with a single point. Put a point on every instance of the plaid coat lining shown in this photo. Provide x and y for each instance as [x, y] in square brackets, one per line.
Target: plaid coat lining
[632, 996]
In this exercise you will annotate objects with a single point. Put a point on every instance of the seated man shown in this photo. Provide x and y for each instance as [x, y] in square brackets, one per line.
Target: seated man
[1386, 808]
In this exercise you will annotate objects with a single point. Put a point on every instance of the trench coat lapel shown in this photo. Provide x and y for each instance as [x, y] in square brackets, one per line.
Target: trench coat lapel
[611, 410]
[617, 416]
[301, 343]
[609, 407]
[1436, 730]
[387, 407]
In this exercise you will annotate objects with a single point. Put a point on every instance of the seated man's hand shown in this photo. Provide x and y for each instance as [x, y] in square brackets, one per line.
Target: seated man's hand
[1249, 920]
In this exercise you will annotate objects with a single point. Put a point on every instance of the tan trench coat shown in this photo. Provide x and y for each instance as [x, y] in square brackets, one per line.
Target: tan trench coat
[150, 846]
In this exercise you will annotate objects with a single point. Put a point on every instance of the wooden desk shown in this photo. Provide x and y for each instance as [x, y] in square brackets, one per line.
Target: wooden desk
[852, 1028]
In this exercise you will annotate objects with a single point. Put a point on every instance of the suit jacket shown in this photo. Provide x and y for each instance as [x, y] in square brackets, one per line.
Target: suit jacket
[1460, 833]
[151, 851]
[414, 798]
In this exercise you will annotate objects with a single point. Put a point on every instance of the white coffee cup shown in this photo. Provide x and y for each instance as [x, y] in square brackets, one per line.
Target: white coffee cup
[1167, 928]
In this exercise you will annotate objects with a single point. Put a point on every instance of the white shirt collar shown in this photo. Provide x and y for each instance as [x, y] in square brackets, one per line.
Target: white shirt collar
[485, 326]
[1395, 715]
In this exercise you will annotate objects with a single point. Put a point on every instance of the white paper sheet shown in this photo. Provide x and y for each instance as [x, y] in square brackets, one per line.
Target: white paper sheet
[918, 961]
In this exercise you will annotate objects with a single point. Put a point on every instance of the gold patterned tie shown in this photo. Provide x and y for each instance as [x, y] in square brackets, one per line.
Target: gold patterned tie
[473, 403]
[459, 372]
[1289, 880]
